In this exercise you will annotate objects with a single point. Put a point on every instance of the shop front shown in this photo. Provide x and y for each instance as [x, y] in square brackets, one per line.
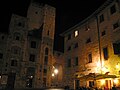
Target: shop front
[100, 81]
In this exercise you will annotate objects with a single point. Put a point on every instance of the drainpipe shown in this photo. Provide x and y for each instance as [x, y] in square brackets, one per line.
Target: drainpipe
[99, 44]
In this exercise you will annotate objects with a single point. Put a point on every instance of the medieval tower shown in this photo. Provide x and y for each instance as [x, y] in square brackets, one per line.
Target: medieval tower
[29, 48]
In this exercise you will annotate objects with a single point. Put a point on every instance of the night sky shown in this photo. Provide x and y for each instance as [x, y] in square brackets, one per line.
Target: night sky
[68, 13]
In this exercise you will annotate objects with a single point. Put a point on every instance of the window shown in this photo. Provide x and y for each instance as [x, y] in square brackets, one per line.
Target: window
[32, 57]
[44, 81]
[76, 45]
[16, 50]
[36, 12]
[103, 33]
[69, 63]
[115, 25]
[13, 62]
[1, 55]
[69, 48]
[89, 58]
[45, 70]
[105, 53]
[17, 36]
[88, 40]
[46, 60]
[113, 9]
[87, 28]
[116, 48]
[46, 56]
[48, 32]
[101, 18]
[3, 37]
[76, 61]
[33, 44]
[69, 36]
[46, 51]
[91, 83]
[76, 33]
[21, 24]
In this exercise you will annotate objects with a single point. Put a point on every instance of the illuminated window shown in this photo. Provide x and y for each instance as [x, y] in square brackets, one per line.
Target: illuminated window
[76, 33]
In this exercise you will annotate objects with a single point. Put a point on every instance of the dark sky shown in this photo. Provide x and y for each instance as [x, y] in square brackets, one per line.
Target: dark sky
[68, 13]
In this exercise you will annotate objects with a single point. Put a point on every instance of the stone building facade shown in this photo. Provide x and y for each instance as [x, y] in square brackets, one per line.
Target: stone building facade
[92, 49]
[26, 51]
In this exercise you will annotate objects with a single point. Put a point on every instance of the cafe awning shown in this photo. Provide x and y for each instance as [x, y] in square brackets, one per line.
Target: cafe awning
[93, 76]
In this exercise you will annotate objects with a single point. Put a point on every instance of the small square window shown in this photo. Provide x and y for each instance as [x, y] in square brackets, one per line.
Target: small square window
[88, 40]
[115, 25]
[69, 48]
[14, 63]
[103, 33]
[33, 44]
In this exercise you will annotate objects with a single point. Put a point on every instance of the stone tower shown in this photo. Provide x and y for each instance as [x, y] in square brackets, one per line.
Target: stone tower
[42, 17]
[29, 48]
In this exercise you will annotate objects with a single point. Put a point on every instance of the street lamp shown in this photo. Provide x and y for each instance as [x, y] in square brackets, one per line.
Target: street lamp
[56, 71]
[53, 74]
